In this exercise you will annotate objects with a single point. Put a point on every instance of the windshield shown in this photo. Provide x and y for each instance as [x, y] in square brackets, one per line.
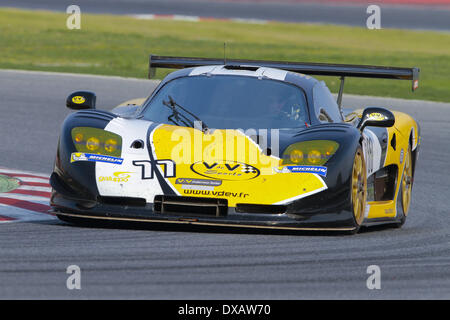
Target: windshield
[229, 102]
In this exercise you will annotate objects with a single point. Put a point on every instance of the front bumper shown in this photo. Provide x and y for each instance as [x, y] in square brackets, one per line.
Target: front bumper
[66, 208]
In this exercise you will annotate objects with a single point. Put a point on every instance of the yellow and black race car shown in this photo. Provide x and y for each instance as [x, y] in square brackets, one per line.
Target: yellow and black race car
[239, 143]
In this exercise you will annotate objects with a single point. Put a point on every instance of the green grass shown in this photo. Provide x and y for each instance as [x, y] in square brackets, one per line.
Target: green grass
[117, 45]
[8, 184]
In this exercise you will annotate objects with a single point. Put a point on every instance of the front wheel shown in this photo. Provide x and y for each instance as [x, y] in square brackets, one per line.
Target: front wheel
[358, 189]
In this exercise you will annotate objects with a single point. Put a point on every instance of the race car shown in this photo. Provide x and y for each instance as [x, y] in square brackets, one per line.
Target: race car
[239, 143]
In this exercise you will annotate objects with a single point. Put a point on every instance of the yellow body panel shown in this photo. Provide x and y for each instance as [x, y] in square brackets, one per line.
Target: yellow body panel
[405, 126]
[246, 174]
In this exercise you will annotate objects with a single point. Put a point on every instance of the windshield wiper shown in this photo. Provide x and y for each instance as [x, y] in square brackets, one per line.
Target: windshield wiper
[180, 117]
[177, 115]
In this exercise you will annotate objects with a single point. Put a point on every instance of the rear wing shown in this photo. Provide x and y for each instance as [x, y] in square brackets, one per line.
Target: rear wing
[320, 69]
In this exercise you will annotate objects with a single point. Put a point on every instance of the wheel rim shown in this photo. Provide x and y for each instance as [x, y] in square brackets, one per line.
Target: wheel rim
[359, 182]
[407, 183]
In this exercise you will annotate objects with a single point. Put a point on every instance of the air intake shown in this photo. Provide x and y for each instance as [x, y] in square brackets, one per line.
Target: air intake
[123, 201]
[240, 67]
[190, 206]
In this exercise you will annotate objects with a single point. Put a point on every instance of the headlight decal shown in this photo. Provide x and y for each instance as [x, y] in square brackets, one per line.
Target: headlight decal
[309, 153]
[96, 141]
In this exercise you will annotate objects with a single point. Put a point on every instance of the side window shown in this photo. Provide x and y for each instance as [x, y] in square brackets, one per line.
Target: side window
[325, 105]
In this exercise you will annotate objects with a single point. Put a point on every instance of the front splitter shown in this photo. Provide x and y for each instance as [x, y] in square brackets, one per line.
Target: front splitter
[195, 221]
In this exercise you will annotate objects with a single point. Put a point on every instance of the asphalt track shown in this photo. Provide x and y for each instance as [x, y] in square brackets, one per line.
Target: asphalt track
[192, 263]
[392, 16]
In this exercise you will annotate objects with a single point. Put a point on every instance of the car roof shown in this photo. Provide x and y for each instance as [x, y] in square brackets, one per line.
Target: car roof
[304, 81]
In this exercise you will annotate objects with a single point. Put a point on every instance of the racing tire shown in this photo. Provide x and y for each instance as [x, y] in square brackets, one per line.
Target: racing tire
[358, 189]
[405, 191]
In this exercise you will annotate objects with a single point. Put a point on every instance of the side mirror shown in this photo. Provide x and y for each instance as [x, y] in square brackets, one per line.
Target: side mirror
[376, 117]
[80, 100]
